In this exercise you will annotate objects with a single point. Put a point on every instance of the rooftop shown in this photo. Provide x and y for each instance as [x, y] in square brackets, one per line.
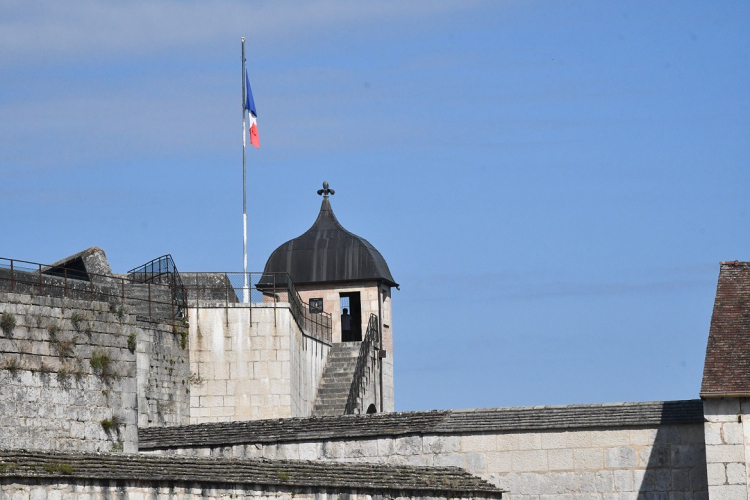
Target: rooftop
[328, 253]
[529, 418]
[726, 371]
[445, 481]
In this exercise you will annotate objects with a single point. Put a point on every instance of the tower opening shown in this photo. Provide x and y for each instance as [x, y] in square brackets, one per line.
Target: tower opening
[351, 317]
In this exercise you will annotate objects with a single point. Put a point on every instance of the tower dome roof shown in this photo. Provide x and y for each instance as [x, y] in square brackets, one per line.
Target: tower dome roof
[328, 253]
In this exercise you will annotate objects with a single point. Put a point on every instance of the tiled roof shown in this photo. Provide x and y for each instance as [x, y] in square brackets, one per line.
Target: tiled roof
[528, 418]
[440, 481]
[727, 367]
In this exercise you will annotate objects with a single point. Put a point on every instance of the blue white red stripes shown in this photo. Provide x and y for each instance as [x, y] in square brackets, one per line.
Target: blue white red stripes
[252, 113]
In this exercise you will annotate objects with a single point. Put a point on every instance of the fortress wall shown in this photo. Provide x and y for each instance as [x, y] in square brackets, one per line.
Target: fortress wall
[67, 377]
[591, 464]
[592, 452]
[71, 489]
[241, 362]
[308, 358]
[163, 362]
[727, 441]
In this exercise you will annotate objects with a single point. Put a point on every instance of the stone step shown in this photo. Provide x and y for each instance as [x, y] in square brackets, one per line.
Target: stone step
[334, 389]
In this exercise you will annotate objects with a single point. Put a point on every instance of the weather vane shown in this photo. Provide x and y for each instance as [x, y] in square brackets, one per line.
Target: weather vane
[326, 191]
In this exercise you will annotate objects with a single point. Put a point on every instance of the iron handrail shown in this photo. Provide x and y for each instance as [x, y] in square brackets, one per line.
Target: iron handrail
[158, 300]
[220, 289]
[370, 341]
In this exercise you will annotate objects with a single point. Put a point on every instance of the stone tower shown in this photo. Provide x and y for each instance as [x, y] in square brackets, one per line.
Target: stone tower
[334, 269]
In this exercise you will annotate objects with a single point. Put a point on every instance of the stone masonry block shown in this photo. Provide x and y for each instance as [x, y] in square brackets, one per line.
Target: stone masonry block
[610, 438]
[716, 474]
[578, 439]
[441, 444]
[728, 492]
[409, 445]
[498, 461]
[725, 453]
[686, 455]
[732, 433]
[479, 442]
[309, 451]
[736, 474]
[712, 432]
[530, 441]
[553, 440]
[680, 480]
[623, 481]
[588, 459]
[361, 448]
[560, 459]
[449, 460]
[662, 479]
[654, 456]
[507, 442]
[529, 461]
[587, 482]
[475, 463]
[605, 481]
[623, 457]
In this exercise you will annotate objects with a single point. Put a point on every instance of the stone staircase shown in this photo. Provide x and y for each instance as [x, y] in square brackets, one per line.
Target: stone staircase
[337, 379]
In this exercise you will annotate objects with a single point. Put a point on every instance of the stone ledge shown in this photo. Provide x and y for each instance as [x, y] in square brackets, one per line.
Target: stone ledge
[531, 418]
[286, 473]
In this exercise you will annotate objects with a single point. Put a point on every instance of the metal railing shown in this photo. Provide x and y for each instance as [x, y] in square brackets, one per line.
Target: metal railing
[367, 352]
[222, 289]
[161, 271]
[125, 295]
[162, 293]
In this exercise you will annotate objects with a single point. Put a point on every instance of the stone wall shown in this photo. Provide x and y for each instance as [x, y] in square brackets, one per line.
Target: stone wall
[308, 358]
[34, 475]
[67, 375]
[727, 441]
[68, 489]
[163, 362]
[626, 451]
[241, 361]
[595, 463]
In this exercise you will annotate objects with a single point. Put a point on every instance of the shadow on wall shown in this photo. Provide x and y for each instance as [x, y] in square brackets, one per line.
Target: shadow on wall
[675, 464]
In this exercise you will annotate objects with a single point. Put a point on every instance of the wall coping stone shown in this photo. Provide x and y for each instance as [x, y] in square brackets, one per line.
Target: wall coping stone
[444, 481]
[528, 418]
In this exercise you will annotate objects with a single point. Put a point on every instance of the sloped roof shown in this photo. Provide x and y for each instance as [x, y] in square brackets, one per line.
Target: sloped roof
[448, 482]
[328, 253]
[726, 371]
[529, 418]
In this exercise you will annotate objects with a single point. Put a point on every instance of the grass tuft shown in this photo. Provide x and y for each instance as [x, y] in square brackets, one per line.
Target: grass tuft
[7, 323]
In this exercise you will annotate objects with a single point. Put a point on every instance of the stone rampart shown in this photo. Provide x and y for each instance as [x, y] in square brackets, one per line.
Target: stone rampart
[67, 375]
[163, 373]
[251, 363]
[82, 375]
[26, 475]
[623, 451]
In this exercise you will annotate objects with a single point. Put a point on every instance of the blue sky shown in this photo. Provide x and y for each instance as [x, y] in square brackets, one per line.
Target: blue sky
[553, 183]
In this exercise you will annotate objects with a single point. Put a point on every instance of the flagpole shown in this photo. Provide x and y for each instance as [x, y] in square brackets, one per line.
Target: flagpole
[245, 290]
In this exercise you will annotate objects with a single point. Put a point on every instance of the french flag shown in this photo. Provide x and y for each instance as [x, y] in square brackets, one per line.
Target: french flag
[252, 114]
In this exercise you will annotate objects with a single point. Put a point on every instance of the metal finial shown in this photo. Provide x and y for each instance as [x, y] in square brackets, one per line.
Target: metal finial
[326, 191]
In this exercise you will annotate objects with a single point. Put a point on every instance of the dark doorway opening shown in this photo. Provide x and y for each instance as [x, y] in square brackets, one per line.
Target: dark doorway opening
[371, 409]
[351, 316]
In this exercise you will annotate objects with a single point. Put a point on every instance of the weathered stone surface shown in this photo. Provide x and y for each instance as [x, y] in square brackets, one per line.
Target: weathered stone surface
[48, 471]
